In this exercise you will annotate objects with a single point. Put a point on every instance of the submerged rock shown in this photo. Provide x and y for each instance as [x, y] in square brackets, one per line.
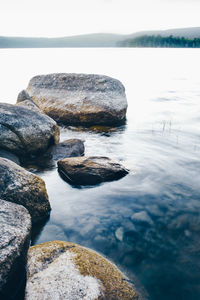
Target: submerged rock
[15, 228]
[62, 270]
[68, 148]
[22, 187]
[90, 170]
[79, 99]
[142, 218]
[24, 131]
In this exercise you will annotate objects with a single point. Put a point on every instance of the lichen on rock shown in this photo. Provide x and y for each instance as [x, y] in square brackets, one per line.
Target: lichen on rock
[63, 270]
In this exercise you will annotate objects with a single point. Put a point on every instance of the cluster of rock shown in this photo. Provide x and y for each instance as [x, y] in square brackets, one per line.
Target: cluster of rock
[56, 270]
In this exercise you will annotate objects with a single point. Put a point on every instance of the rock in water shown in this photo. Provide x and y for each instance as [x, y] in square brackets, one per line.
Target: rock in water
[90, 170]
[68, 148]
[62, 270]
[24, 131]
[22, 187]
[79, 99]
[15, 228]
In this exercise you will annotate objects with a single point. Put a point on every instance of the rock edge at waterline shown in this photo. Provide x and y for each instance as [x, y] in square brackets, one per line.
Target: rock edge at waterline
[90, 170]
[22, 187]
[63, 270]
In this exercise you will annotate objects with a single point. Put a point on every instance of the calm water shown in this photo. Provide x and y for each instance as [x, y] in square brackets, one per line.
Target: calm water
[148, 223]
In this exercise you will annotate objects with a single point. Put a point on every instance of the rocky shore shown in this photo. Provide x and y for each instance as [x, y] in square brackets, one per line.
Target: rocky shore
[57, 269]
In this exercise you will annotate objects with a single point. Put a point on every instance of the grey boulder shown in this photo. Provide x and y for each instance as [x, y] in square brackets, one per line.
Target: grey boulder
[24, 131]
[79, 99]
[90, 170]
[15, 228]
[24, 188]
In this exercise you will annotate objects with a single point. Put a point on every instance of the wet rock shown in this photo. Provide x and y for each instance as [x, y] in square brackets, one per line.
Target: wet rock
[24, 131]
[9, 155]
[15, 227]
[24, 188]
[90, 170]
[142, 218]
[79, 99]
[62, 270]
[68, 148]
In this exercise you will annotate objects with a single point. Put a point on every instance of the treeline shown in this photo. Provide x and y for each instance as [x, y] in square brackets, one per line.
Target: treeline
[160, 41]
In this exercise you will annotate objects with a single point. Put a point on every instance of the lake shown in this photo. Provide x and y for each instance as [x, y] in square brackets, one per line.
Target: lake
[148, 223]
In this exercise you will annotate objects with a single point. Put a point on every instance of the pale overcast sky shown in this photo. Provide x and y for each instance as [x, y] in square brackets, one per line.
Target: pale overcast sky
[71, 17]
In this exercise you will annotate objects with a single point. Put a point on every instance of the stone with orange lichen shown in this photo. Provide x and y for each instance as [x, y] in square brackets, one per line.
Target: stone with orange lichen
[63, 270]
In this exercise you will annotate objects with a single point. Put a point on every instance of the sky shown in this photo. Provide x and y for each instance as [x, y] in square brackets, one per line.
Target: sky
[53, 18]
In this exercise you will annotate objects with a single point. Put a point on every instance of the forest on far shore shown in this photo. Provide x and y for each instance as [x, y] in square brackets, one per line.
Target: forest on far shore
[161, 41]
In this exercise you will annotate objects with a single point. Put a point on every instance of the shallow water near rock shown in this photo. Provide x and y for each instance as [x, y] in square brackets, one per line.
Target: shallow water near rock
[148, 223]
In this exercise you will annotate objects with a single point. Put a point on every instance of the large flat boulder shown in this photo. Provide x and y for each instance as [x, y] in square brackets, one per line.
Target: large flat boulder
[79, 99]
[24, 131]
[63, 270]
[90, 170]
[24, 188]
[15, 228]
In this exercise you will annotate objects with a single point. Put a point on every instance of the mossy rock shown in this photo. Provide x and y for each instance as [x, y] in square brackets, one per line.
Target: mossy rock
[63, 270]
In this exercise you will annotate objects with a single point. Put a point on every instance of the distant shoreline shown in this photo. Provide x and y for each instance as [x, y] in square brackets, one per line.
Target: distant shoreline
[173, 38]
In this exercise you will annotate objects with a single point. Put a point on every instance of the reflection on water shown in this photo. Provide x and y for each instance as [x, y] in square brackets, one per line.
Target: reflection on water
[148, 222]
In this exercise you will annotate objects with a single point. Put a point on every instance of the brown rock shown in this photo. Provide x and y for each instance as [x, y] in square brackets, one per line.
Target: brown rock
[90, 170]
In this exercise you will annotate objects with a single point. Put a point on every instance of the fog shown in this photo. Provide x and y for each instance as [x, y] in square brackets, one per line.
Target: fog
[66, 17]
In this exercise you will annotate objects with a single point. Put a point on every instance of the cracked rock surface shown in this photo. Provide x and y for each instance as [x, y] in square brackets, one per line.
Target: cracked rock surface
[66, 271]
[79, 99]
[24, 131]
[24, 188]
[14, 241]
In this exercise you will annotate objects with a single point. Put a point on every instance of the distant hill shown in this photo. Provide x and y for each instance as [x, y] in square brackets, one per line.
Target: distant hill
[89, 40]
[92, 40]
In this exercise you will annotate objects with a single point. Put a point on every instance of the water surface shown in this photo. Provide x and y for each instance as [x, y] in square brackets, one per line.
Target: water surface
[148, 222]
